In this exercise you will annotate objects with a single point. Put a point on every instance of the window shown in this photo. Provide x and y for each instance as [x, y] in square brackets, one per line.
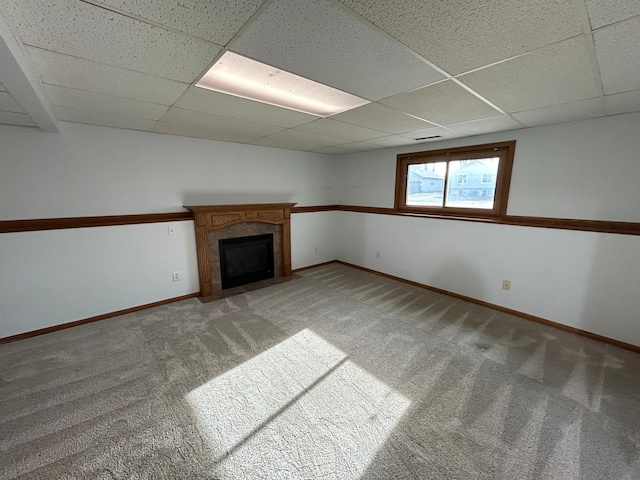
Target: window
[466, 181]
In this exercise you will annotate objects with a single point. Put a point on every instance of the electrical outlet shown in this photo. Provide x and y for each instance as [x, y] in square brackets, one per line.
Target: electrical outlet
[171, 230]
[176, 276]
[506, 284]
[378, 255]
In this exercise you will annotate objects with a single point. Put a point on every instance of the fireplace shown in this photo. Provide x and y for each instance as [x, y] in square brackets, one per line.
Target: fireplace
[245, 260]
[220, 222]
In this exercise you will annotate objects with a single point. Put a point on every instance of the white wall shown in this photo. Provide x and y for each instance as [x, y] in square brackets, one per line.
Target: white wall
[583, 169]
[586, 280]
[90, 170]
[53, 277]
[313, 238]
[587, 169]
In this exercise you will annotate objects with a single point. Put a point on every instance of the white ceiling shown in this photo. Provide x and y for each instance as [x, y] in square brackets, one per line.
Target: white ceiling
[451, 68]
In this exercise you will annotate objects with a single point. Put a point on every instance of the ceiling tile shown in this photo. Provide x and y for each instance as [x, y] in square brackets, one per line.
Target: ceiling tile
[623, 102]
[299, 138]
[561, 73]
[9, 104]
[487, 125]
[562, 113]
[333, 128]
[208, 101]
[606, 12]
[220, 132]
[19, 119]
[287, 143]
[82, 30]
[97, 102]
[382, 118]
[124, 63]
[391, 141]
[63, 70]
[441, 132]
[444, 103]
[225, 127]
[459, 35]
[619, 56]
[213, 21]
[335, 150]
[361, 146]
[103, 119]
[321, 41]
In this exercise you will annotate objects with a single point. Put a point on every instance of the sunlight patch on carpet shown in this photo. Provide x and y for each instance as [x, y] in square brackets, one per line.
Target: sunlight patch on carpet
[299, 409]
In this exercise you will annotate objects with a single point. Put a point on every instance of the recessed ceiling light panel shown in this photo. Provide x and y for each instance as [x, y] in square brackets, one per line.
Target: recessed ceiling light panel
[240, 76]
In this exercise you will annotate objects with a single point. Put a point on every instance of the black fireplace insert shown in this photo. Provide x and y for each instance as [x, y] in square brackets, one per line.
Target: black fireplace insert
[246, 259]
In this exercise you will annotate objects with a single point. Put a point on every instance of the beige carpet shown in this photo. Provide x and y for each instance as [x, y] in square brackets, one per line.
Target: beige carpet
[339, 374]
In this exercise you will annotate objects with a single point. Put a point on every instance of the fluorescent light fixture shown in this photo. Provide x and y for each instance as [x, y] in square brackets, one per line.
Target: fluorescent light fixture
[240, 76]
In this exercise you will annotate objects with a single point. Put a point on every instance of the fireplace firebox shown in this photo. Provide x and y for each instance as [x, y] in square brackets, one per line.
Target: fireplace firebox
[246, 259]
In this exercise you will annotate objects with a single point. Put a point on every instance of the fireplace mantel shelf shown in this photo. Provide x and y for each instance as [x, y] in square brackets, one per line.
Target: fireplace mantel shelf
[240, 207]
[216, 217]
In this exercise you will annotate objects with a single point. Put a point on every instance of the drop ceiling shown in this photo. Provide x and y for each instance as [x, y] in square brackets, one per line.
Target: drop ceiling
[443, 68]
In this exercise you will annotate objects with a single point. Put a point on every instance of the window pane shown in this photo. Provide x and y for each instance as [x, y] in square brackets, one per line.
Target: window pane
[472, 183]
[425, 184]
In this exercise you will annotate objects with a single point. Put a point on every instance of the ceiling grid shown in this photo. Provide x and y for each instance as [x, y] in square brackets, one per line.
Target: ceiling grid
[428, 68]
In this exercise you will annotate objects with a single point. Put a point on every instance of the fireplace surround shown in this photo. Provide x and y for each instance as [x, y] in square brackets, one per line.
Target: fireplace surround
[216, 222]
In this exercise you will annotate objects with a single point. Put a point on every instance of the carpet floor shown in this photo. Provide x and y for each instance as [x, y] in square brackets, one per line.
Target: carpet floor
[339, 374]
